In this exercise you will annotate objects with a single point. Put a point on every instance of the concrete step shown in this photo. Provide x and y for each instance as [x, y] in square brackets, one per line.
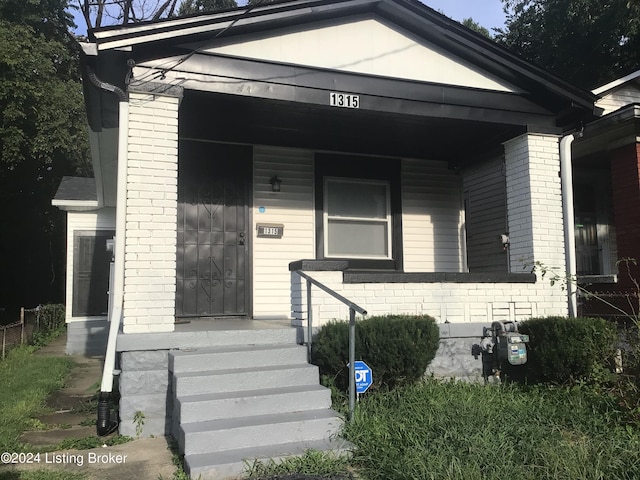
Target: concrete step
[242, 379]
[232, 463]
[257, 431]
[237, 356]
[214, 406]
[205, 339]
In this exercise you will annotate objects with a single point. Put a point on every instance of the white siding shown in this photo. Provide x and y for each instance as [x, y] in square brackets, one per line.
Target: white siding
[618, 98]
[103, 219]
[292, 207]
[431, 217]
[486, 216]
[365, 46]
[150, 251]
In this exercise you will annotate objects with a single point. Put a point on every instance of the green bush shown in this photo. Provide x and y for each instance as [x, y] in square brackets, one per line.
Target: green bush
[564, 350]
[398, 348]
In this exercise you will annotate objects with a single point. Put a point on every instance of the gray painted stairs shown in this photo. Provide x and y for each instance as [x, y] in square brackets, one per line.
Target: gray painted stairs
[251, 396]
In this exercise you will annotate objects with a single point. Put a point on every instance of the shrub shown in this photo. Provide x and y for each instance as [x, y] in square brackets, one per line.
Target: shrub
[398, 348]
[563, 350]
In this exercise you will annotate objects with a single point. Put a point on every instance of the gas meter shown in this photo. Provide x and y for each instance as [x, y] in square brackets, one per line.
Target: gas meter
[501, 345]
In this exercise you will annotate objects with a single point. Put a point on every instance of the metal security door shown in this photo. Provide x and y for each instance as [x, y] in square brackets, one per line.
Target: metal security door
[212, 248]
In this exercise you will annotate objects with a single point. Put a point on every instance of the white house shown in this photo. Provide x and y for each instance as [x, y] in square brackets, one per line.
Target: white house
[401, 159]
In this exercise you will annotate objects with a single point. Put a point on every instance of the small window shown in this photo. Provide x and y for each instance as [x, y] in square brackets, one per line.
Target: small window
[357, 218]
[91, 262]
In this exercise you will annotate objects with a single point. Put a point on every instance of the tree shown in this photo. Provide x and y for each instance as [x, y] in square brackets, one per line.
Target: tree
[196, 6]
[587, 42]
[42, 138]
[475, 26]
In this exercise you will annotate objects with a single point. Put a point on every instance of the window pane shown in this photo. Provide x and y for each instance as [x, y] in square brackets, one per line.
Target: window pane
[356, 199]
[357, 238]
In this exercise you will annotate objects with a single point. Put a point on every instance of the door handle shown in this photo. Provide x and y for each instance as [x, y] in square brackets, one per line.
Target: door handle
[241, 240]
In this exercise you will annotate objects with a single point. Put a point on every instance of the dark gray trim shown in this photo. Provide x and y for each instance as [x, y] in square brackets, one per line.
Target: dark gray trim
[319, 265]
[157, 89]
[260, 79]
[361, 167]
[436, 277]
[351, 275]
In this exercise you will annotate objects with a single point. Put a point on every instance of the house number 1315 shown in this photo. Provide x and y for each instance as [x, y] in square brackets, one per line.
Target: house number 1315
[344, 100]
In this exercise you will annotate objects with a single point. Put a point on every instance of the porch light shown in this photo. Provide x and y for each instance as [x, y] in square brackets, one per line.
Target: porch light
[275, 183]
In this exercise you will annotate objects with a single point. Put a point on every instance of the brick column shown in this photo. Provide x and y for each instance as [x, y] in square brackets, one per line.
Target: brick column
[534, 201]
[152, 195]
[625, 180]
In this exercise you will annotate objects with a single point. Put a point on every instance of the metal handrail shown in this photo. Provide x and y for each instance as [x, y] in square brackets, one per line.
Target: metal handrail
[353, 308]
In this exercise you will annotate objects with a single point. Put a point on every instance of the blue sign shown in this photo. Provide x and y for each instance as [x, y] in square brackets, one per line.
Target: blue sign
[364, 376]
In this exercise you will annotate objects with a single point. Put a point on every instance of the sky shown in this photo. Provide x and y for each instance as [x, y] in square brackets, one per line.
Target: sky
[488, 13]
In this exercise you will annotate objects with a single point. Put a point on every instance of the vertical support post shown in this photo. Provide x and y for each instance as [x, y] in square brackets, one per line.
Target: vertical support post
[21, 325]
[352, 362]
[309, 320]
[4, 341]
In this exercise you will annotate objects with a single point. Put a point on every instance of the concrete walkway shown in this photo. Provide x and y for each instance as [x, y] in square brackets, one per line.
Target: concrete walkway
[147, 458]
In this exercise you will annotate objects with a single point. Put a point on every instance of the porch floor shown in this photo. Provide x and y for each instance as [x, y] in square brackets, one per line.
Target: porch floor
[203, 332]
[213, 324]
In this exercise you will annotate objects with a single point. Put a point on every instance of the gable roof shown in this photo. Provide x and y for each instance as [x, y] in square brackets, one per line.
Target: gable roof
[604, 89]
[189, 35]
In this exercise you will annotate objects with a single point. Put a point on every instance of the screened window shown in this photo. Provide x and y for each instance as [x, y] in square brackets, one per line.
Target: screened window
[357, 218]
[91, 273]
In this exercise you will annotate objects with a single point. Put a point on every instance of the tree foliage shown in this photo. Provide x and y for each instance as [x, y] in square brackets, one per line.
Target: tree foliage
[475, 26]
[42, 138]
[587, 42]
[99, 13]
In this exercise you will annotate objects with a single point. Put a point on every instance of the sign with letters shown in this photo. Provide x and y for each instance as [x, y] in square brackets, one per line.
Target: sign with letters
[364, 376]
[270, 230]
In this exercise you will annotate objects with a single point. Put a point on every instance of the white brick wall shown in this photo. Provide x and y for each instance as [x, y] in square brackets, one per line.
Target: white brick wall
[446, 302]
[150, 251]
[534, 211]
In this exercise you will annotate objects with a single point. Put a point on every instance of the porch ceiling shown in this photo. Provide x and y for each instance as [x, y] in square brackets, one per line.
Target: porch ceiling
[218, 117]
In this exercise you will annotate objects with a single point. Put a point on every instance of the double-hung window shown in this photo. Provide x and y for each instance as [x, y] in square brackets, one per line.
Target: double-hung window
[357, 218]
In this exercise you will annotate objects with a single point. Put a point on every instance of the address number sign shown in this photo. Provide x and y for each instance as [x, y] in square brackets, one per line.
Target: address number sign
[346, 100]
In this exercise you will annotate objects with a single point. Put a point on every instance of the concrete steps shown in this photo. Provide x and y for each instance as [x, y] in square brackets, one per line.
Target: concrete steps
[236, 403]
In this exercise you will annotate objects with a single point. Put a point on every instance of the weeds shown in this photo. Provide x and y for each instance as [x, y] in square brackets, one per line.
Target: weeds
[460, 431]
[26, 382]
[312, 462]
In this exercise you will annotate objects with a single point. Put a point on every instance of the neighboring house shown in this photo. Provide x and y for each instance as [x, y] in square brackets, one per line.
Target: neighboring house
[606, 166]
[88, 260]
[403, 160]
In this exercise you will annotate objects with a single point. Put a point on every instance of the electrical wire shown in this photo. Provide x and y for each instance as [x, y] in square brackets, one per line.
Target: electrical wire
[163, 71]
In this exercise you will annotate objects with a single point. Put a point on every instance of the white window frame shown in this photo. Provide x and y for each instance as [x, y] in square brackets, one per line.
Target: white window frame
[388, 220]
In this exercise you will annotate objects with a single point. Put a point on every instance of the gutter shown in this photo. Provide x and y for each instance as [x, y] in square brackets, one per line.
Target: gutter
[105, 423]
[566, 177]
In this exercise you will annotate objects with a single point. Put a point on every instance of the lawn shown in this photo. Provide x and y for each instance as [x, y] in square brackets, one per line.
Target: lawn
[454, 430]
[26, 382]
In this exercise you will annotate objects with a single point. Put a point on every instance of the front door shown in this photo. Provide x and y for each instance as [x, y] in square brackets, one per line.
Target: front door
[213, 230]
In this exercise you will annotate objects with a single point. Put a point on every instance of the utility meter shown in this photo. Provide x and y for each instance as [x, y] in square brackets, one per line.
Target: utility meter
[500, 345]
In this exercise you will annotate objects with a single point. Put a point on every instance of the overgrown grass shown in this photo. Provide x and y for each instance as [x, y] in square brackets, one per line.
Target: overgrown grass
[26, 381]
[313, 463]
[461, 431]
[41, 475]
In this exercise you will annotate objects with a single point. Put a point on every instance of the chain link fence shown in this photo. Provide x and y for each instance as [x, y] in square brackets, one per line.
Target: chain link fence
[33, 322]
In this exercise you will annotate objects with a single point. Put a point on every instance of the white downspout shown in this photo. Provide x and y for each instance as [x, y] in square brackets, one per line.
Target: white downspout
[566, 176]
[118, 267]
